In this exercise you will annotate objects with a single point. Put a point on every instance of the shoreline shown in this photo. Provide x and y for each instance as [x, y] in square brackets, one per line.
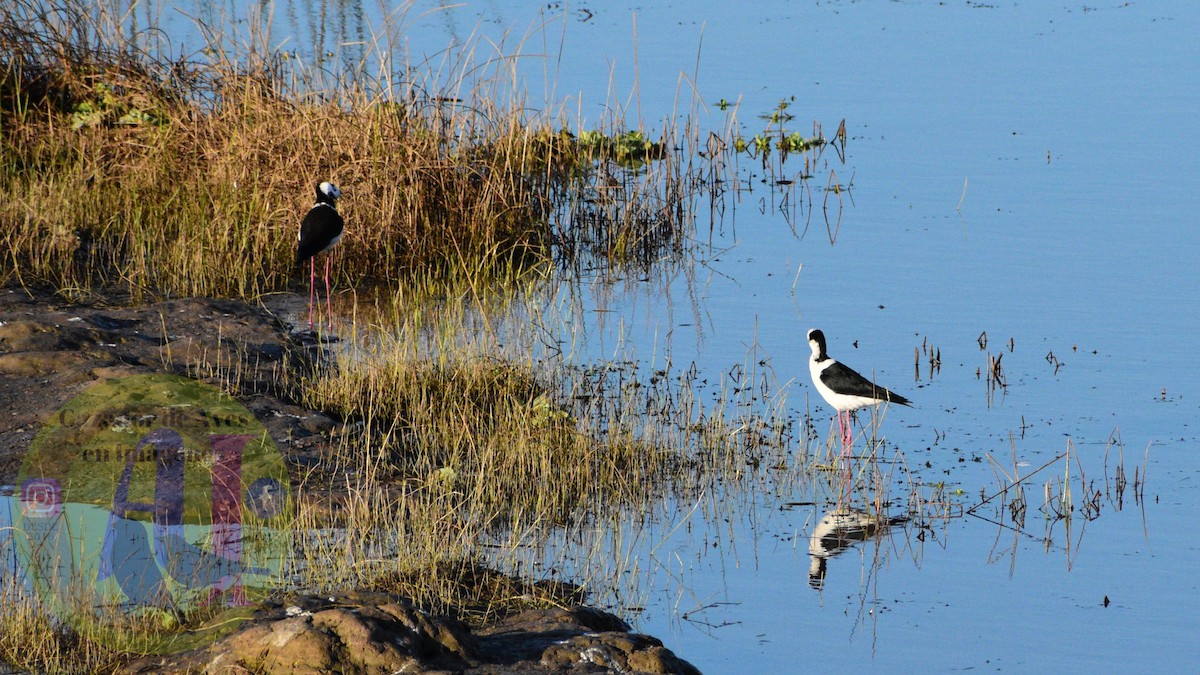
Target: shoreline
[52, 349]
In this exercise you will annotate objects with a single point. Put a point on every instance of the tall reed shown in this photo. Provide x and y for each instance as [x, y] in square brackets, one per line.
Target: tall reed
[188, 177]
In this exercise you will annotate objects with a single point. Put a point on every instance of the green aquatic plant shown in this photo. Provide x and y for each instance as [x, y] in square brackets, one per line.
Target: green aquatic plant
[794, 142]
[780, 115]
[777, 136]
[762, 144]
[628, 149]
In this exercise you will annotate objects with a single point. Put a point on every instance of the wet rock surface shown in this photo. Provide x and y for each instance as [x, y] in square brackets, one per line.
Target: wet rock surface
[51, 350]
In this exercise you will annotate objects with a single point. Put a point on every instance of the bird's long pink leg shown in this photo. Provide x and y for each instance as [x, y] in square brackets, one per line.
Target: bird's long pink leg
[843, 433]
[328, 294]
[312, 289]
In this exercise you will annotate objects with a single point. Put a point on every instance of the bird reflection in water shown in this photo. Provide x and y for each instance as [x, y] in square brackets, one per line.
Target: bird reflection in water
[837, 531]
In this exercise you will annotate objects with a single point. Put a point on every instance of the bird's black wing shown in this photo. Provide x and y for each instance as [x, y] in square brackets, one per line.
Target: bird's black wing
[320, 226]
[845, 380]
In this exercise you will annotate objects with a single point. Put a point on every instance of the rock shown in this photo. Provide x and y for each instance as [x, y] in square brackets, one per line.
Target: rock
[39, 363]
[616, 652]
[317, 423]
[290, 645]
[40, 336]
[365, 633]
[372, 633]
[558, 640]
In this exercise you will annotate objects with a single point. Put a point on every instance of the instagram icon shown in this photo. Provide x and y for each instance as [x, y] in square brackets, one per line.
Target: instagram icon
[41, 498]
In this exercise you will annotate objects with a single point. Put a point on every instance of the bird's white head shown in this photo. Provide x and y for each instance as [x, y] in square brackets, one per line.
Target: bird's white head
[816, 341]
[329, 191]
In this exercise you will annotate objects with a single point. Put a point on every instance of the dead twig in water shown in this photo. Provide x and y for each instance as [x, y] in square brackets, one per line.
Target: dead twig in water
[1005, 489]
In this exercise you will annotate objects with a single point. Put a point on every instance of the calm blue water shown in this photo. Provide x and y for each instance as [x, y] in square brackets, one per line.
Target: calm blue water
[1074, 133]
[1070, 138]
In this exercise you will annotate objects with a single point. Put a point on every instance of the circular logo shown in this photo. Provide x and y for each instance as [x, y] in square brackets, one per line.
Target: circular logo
[151, 501]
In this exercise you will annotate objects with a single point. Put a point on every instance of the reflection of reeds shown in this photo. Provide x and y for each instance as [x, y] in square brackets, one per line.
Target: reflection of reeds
[1053, 360]
[993, 372]
[1062, 497]
[453, 454]
[932, 355]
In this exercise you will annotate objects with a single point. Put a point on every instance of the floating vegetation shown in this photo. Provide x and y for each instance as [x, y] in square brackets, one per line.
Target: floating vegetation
[778, 137]
[629, 150]
[107, 109]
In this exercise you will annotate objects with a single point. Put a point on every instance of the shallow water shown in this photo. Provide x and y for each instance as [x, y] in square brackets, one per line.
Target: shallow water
[1020, 170]
[1025, 171]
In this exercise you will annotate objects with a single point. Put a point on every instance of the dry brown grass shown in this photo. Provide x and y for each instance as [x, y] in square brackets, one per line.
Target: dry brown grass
[189, 178]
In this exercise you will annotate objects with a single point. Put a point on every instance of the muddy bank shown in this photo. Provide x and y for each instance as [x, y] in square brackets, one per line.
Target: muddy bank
[51, 350]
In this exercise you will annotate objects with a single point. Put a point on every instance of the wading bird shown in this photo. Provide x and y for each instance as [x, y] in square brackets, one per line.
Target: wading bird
[320, 231]
[843, 388]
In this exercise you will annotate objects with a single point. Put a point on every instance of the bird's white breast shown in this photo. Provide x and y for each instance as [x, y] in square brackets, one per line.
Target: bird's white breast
[839, 402]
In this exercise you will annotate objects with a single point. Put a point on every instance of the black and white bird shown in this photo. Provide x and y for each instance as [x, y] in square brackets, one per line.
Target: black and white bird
[843, 388]
[320, 231]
